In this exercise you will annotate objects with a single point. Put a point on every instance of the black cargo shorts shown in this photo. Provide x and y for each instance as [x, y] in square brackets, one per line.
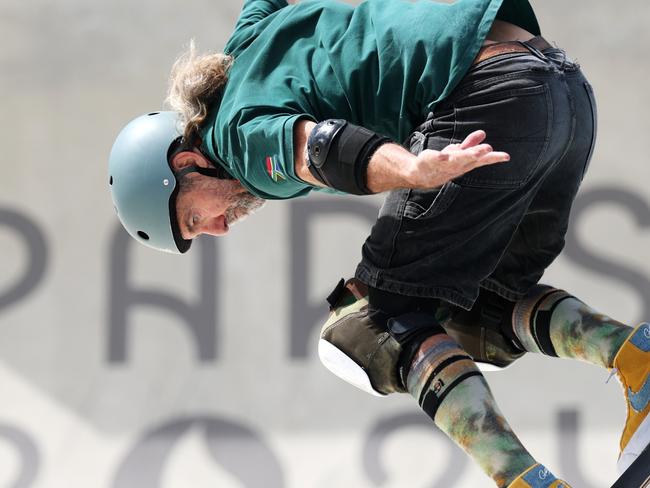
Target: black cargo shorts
[497, 227]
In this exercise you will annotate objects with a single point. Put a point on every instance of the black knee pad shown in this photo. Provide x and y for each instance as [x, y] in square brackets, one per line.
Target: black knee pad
[486, 331]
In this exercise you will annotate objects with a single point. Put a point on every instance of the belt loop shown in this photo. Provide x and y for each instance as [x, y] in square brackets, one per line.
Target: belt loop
[534, 50]
[564, 60]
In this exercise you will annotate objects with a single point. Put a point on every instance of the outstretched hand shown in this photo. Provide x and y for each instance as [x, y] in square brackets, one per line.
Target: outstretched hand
[435, 168]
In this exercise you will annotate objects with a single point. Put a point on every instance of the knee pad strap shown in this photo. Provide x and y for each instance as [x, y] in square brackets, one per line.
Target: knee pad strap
[485, 331]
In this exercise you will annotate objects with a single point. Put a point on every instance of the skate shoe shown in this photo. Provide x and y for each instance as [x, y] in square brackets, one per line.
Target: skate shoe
[538, 477]
[632, 364]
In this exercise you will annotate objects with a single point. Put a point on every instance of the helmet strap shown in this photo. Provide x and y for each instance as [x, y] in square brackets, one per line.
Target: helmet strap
[214, 172]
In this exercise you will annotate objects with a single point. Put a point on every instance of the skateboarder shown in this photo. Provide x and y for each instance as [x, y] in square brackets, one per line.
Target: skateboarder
[401, 97]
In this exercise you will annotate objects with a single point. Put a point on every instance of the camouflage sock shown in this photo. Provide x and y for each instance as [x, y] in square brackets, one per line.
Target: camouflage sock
[454, 393]
[555, 323]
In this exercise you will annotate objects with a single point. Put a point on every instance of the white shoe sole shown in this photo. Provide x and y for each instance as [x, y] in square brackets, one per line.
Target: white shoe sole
[344, 367]
[638, 442]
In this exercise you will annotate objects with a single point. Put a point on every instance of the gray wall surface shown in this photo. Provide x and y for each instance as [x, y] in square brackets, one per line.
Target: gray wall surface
[123, 368]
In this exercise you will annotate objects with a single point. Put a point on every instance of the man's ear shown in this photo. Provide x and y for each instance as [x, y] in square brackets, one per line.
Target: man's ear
[184, 159]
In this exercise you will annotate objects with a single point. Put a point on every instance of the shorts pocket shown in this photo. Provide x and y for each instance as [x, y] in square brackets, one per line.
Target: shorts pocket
[426, 204]
[517, 121]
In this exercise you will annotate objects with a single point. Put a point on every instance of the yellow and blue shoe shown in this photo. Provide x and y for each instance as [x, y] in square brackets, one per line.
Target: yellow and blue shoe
[632, 364]
[538, 477]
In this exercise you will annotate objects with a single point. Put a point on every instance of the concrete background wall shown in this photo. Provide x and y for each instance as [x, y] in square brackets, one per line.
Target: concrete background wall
[210, 378]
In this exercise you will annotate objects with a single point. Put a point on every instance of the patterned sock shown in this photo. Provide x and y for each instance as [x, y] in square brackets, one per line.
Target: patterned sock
[555, 323]
[452, 391]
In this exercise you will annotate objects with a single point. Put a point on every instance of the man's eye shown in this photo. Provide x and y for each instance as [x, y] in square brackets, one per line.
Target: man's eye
[191, 222]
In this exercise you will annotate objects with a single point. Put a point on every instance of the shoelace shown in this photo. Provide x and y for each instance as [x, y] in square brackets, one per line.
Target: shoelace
[611, 375]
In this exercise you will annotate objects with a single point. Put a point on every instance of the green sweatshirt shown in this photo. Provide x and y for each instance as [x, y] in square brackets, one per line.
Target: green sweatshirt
[382, 65]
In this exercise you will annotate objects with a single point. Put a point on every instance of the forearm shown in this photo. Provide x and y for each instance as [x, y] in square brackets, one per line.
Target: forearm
[390, 168]
[387, 169]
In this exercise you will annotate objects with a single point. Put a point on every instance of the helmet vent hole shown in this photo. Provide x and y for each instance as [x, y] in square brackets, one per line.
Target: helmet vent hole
[143, 235]
[110, 181]
[153, 113]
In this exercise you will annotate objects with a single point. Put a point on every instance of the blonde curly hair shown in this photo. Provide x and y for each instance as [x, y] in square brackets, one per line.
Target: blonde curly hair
[195, 83]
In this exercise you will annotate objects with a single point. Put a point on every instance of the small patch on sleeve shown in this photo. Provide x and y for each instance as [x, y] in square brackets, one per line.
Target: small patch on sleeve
[274, 169]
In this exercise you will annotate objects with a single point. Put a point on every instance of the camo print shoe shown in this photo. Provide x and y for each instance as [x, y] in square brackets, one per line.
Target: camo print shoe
[632, 364]
[538, 477]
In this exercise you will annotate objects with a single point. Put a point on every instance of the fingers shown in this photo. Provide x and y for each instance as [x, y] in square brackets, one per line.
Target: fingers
[434, 168]
[483, 152]
[473, 154]
[493, 158]
[473, 139]
[473, 146]
[468, 159]
[480, 150]
[476, 156]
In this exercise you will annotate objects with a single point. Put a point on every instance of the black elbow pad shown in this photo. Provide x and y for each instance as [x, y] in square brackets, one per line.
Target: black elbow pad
[339, 153]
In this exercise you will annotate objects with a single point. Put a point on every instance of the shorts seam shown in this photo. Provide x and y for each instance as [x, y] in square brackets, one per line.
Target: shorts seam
[503, 291]
[398, 227]
[376, 280]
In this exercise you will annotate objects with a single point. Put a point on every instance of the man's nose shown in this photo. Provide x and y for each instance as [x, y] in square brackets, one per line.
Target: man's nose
[216, 226]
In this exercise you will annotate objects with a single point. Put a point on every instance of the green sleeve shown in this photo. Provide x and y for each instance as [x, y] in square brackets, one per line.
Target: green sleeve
[262, 146]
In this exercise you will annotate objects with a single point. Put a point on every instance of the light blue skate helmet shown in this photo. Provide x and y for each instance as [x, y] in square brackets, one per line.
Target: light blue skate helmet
[142, 184]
